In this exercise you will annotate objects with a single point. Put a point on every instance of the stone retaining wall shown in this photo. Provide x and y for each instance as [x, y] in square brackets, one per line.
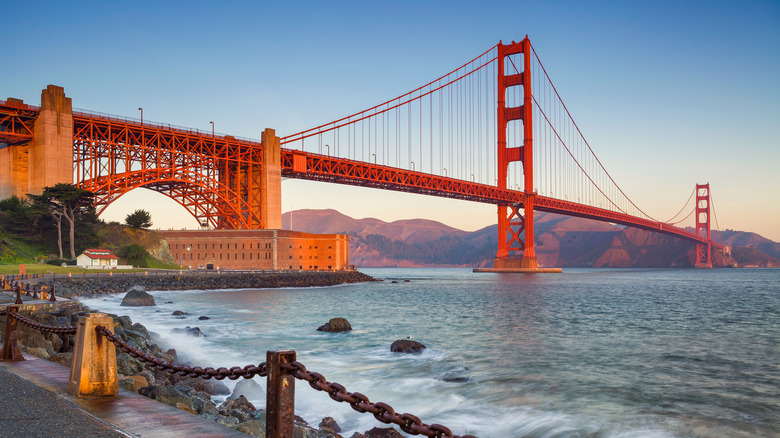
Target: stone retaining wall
[74, 286]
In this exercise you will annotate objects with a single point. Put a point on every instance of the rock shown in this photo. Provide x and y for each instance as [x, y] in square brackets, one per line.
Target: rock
[133, 383]
[185, 407]
[336, 325]
[192, 331]
[35, 351]
[212, 387]
[168, 395]
[178, 313]
[357, 435]
[330, 423]
[406, 346]
[241, 416]
[252, 427]
[137, 296]
[393, 282]
[127, 365]
[248, 388]
[406, 281]
[227, 421]
[203, 318]
[240, 403]
[124, 321]
[139, 328]
[387, 432]
[63, 359]
[204, 407]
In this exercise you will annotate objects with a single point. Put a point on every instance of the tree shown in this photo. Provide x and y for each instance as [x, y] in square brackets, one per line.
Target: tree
[69, 202]
[139, 219]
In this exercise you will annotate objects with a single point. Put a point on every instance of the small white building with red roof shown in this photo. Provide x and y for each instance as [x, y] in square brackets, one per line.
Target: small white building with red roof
[97, 259]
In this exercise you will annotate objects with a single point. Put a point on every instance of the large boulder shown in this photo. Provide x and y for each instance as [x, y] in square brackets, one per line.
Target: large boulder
[336, 325]
[240, 403]
[137, 297]
[330, 423]
[406, 346]
[387, 432]
[249, 389]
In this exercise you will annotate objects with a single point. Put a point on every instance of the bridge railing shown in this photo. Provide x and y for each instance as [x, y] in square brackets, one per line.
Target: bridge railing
[157, 125]
[94, 374]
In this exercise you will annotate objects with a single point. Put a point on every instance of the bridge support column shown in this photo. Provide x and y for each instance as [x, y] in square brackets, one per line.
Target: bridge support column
[50, 158]
[703, 250]
[271, 182]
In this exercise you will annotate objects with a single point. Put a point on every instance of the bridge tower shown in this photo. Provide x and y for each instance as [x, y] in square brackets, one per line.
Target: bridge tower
[515, 219]
[703, 250]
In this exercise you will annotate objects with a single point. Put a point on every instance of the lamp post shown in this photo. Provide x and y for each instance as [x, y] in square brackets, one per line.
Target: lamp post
[212, 129]
[412, 166]
[327, 148]
[445, 171]
[374, 155]
[142, 115]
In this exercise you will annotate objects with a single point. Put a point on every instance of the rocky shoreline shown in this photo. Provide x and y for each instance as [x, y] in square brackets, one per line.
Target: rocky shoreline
[193, 395]
[70, 287]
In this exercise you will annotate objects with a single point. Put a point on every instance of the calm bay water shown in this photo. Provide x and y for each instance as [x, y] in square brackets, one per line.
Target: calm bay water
[586, 353]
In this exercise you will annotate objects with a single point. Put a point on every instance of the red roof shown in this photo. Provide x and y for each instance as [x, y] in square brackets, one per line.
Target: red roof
[99, 254]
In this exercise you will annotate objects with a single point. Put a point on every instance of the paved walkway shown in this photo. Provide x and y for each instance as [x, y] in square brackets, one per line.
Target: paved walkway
[34, 402]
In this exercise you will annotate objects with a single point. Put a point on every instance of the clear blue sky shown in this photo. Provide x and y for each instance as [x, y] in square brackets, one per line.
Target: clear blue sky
[668, 93]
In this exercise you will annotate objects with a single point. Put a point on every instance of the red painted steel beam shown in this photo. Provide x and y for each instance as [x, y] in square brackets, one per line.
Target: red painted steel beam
[16, 122]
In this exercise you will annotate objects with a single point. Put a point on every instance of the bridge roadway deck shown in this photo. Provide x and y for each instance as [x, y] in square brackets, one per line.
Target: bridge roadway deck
[34, 401]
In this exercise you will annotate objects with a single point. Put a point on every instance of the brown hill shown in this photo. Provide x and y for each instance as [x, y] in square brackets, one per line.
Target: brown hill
[560, 241]
[331, 221]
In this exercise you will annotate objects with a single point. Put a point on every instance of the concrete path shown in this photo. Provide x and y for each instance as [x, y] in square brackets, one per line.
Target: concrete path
[34, 402]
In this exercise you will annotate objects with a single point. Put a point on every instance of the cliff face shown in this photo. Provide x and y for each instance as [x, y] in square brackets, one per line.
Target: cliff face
[561, 241]
[115, 236]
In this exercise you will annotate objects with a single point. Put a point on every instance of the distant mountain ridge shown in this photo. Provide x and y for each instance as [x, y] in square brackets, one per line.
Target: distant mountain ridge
[561, 241]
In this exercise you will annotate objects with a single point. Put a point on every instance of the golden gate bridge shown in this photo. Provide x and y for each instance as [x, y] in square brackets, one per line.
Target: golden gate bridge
[494, 130]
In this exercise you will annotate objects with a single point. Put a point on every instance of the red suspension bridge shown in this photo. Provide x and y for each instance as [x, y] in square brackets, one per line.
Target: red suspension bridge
[494, 130]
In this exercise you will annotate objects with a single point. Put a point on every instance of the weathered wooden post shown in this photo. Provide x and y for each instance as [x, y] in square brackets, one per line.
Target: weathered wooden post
[93, 373]
[10, 351]
[280, 395]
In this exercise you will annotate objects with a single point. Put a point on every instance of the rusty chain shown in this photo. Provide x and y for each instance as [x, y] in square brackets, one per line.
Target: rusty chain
[233, 373]
[359, 402]
[43, 327]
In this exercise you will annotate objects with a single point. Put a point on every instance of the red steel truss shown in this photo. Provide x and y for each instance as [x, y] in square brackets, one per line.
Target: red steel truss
[216, 178]
[16, 122]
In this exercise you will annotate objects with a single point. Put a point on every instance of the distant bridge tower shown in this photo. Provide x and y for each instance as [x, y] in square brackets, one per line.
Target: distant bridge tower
[511, 219]
[703, 250]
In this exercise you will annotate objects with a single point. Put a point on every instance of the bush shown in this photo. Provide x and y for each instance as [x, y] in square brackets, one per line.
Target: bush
[134, 254]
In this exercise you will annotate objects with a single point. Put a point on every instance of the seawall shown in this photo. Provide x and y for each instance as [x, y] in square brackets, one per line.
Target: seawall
[69, 287]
